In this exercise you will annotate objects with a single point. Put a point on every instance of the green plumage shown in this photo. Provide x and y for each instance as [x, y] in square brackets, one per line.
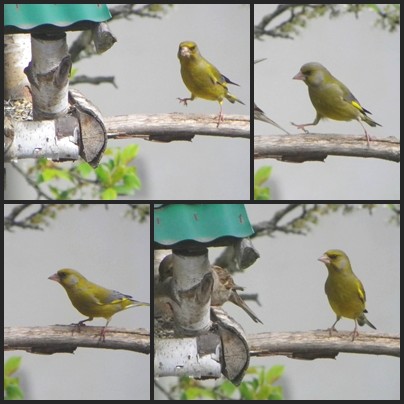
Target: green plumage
[344, 290]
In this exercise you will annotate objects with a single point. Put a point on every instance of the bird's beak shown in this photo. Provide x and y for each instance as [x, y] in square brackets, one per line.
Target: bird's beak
[185, 52]
[325, 259]
[54, 277]
[299, 76]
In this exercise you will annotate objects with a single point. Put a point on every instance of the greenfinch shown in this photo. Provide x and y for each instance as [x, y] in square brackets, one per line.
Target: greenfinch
[344, 290]
[91, 299]
[203, 79]
[331, 98]
[259, 113]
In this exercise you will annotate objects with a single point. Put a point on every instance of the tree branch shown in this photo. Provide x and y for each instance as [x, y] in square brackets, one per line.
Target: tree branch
[316, 147]
[175, 126]
[66, 338]
[317, 344]
[93, 80]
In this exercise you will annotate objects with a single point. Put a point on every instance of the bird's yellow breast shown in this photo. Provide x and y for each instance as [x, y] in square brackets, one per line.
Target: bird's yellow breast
[345, 294]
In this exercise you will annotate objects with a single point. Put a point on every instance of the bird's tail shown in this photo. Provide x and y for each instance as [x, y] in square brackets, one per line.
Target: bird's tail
[233, 99]
[260, 115]
[237, 300]
[135, 303]
[364, 117]
[362, 320]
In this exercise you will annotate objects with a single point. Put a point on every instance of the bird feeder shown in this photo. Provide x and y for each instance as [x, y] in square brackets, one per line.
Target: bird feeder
[62, 124]
[213, 340]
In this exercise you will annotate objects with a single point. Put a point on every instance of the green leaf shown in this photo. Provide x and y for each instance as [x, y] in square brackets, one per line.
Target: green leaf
[261, 194]
[274, 373]
[262, 175]
[84, 169]
[245, 391]
[54, 173]
[55, 191]
[14, 392]
[132, 180]
[12, 365]
[109, 194]
[129, 153]
[276, 393]
[103, 174]
[228, 388]
[198, 392]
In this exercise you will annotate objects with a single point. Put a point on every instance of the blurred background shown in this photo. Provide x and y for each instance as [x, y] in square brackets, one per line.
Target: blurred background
[366, 59]
[109, 249]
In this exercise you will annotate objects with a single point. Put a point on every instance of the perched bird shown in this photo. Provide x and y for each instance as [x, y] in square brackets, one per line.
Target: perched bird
[344, 290]
[91, 299]
[259, 113]
[202, 79]
[331, 98]
[224, 287]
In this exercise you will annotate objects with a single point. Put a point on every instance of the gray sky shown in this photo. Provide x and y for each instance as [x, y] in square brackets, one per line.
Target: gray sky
[106, 248]
[367, 60]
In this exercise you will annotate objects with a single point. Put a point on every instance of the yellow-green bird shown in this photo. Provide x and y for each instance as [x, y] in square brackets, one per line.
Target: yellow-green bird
[331, 98]
[203, 79]
[91, 299]
[344, 290]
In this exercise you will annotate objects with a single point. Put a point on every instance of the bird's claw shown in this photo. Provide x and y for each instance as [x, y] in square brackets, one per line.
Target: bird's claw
[354, 334]
[330, 330]
[184, 100]
[220, 119]
[300, 127]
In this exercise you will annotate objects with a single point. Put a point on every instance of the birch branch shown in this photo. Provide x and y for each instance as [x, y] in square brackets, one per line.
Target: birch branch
[316, 147]
[66, 338]
[175, 126]
[318, 344]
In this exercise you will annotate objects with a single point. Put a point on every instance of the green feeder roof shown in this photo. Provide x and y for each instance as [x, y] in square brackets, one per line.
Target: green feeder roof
[39, 18]
[193, 225]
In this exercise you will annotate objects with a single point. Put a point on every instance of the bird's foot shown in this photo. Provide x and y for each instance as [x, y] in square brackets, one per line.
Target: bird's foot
[301, 126]
[330, 330]
[102, 335]
[220, 118]
[184, 100]
[77, 326]
[354, 334]
[368, 138]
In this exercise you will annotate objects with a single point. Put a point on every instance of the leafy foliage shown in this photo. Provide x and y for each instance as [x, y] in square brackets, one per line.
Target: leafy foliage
[258, 385]
[12, 389]
[261, 177]
[111, 179]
